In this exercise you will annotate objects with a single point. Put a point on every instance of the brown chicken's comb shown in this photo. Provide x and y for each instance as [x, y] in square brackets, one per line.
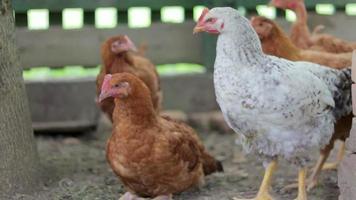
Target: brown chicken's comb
[106, 82]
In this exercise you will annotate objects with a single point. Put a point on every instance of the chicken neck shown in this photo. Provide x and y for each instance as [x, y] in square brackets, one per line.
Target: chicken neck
[279, 44]
[241, 46]
[301, 12]
[122, 58]
[135, 111]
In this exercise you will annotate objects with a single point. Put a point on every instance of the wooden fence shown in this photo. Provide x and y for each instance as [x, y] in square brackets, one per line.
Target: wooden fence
[55, 103]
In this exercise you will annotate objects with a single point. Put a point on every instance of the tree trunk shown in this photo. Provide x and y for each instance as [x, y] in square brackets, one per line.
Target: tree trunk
[19, 162]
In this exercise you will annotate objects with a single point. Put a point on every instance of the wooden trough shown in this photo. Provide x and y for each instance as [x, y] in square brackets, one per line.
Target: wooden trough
[68, 104]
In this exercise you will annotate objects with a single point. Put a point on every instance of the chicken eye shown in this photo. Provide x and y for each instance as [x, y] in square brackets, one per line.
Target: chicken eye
[116, 85]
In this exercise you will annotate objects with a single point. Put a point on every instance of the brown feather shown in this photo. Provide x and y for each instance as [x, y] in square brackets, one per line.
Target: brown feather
[276, 42]
[301, 36]
[130, 62]
[152, 155]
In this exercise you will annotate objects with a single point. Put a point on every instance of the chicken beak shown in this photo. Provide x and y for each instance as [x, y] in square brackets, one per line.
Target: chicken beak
[105, 88]
[103, 95]
[198, 29]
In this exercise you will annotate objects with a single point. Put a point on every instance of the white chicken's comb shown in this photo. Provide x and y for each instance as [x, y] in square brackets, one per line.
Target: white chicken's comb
[353, 68]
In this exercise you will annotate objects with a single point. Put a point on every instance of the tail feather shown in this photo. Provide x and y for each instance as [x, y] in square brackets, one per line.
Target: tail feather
[318, 29]
[211, 165]
[342, 96]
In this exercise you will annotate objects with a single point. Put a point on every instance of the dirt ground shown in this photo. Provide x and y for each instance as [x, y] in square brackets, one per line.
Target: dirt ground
[75, 168]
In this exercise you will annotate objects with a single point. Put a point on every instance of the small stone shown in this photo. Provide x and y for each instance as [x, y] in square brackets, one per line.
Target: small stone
[66, 183]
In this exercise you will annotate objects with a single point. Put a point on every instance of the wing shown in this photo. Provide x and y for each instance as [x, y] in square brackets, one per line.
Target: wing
[338, 82]
[287, 95]
[184, 143]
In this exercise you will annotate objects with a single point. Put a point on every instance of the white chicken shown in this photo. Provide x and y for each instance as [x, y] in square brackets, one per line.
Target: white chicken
[280, 109]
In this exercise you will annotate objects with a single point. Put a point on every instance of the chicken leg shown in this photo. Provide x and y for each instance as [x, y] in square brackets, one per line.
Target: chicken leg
[340, 156]
[263, 193]
[321, 165]
[313, 179]
[302, 193]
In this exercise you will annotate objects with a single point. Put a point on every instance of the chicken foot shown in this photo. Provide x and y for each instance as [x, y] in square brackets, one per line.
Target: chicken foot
[263, 192]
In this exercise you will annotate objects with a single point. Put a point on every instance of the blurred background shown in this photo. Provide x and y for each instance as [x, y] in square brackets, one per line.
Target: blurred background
[59, 45]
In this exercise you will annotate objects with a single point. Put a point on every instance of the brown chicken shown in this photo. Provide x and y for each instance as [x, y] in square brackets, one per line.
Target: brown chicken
[119, 54]
[153, 156]
[276, 42]
[301, 35]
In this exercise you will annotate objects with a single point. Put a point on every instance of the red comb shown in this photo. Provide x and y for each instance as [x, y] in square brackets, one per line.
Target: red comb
[106, 83]
[205, 11]
[292, 5]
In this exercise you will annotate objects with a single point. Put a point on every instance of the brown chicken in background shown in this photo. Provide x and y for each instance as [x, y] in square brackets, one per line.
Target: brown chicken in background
[276, 42]
[301, 36]
[119, 54]
[153, 156]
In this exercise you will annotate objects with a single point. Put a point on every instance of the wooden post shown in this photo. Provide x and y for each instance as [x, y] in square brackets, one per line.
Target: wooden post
[19, 163]
[347, 168]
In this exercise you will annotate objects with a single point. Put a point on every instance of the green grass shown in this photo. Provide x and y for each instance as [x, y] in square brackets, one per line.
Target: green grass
[180, 68]
[43, 73]
[70, 72]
